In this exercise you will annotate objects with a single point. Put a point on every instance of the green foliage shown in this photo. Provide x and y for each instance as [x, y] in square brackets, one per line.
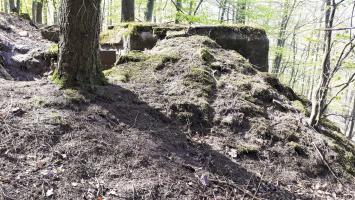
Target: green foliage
[53, 50]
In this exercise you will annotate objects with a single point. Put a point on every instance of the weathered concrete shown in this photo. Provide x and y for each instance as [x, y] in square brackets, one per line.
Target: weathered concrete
[252, 43]
[108, 58]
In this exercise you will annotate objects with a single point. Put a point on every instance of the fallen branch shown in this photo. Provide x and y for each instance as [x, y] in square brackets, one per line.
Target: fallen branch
[234, 186]
[326, 163]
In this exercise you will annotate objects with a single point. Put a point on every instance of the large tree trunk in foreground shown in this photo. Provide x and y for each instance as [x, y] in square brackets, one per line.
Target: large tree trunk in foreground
[127, 12]
[79, 63]
[149, 12]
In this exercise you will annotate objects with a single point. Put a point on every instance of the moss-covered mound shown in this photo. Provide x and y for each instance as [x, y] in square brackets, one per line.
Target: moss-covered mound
[221, 100]
[184, 120]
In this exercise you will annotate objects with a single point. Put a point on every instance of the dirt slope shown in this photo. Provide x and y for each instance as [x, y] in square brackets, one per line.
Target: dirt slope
[185, 120]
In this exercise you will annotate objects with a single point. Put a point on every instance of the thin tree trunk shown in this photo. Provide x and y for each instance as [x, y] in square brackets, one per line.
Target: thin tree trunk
[127, 11]
[350, 131]
[149, 10]
[79, 63]
[34, 11]
[12, 5]
[178, 11]
[18, 6]
[281, 38]
[223, 10]
[6, 6]
[321, 91]
[241, 11]
[39, 8]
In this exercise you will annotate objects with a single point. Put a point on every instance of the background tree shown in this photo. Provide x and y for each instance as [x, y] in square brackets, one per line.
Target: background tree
[127, 11]
[79, 63]
[149, 10]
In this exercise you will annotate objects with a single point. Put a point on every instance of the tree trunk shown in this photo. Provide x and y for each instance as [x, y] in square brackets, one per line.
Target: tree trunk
[281, 38]
[350, 131]
[6, 6]
[39, 9]
[79, 63]
[149, 10]
[241, 11]
[223, 10]
[127, 11]
[12, 5]
[18, 6]
[34, 11]
[178, 11]
[321, 91]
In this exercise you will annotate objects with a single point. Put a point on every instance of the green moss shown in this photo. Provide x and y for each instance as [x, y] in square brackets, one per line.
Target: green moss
[162, 60]
[296, 147]
[74, 96]
[136, 28]
[53, 50]
[346, 159]
[38, 101]
[301, 107]
[206, 55]
[57, 79]
[132, 56]
[64, 82]
[246, 150]
[119, 75]
[330, 125]
[200, 78]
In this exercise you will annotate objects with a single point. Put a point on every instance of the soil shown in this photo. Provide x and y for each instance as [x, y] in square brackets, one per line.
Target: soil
[184, 120]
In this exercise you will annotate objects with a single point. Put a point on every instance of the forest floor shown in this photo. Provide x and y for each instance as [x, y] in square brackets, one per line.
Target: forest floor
[185, 120]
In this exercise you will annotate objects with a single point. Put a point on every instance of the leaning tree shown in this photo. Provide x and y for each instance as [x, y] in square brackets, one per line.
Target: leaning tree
[79, 63]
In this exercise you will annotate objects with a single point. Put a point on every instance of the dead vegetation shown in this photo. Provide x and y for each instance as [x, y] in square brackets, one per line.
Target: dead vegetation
[184, 120]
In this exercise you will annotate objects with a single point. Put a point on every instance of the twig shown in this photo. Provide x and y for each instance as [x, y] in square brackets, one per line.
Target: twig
[234, 186]
[3, 193]
[261, 179]
[326, 163]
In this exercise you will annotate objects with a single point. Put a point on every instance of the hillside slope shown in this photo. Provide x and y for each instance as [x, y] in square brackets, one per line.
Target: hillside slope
[184, 120]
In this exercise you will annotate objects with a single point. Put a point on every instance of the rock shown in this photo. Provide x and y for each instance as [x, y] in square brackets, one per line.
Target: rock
[23, 52]
[51, 33]
[23, 34]
[252, 43]
[4, 74]
[108, 58]
[140, 37]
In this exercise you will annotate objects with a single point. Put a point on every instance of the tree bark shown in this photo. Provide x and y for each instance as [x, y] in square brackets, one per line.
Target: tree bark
[350, 130]
[149, 10]
[178, 6]
[127, 11]
[223, 10]
[34, 11]
[79, 63]
[241, 11]
[281, 38]
[320, 94]
[39, 11]
[6, 6]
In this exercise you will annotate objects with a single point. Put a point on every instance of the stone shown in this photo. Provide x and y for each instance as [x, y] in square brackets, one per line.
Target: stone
[50, 33]
[251, 43]
[108, 58]
[140, 38]
[23, 33]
